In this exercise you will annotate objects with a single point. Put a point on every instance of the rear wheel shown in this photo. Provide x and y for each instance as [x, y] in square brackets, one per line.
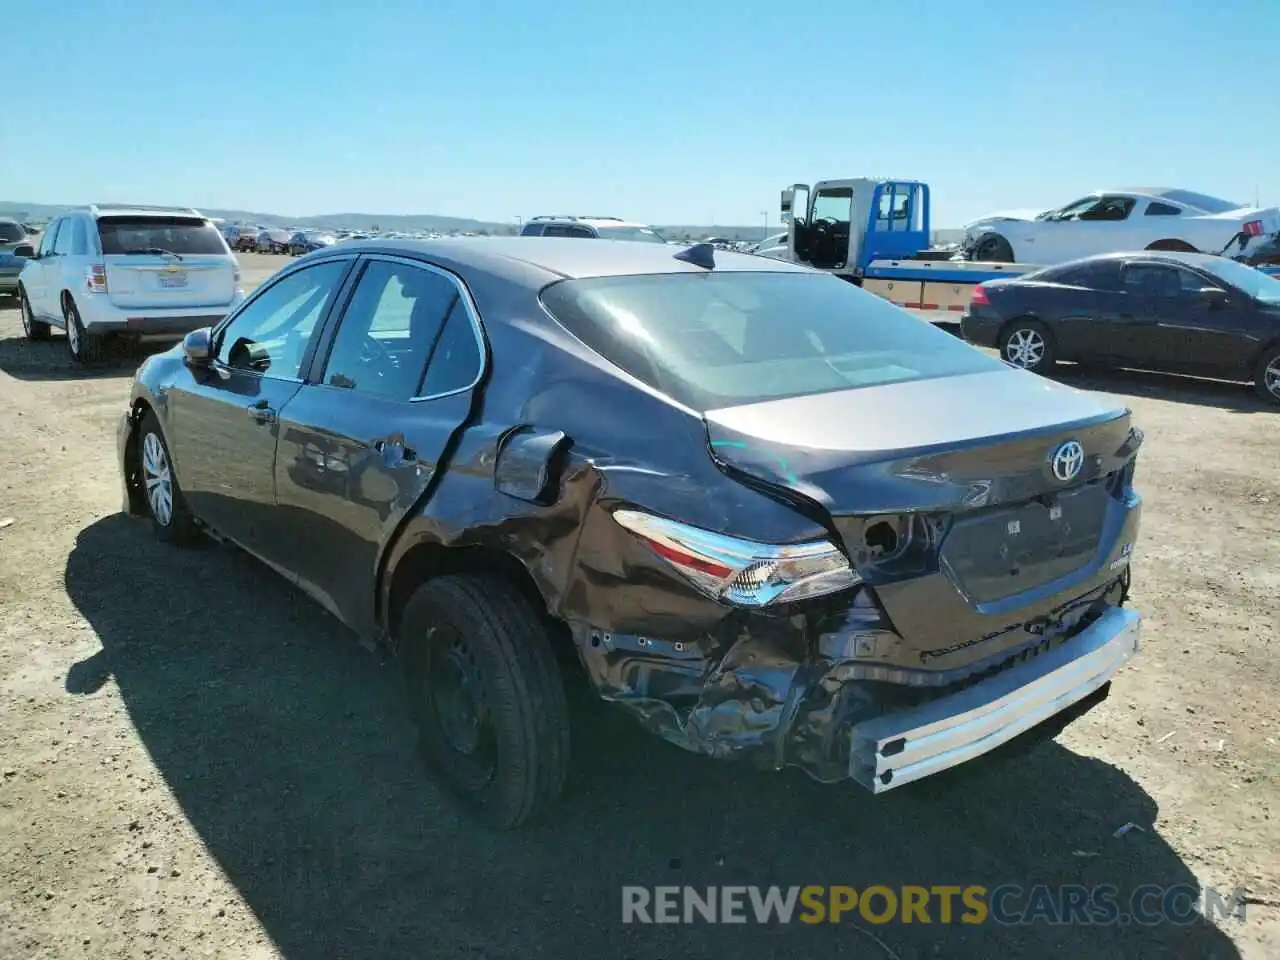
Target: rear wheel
[83, 346]
[993, 248]
[486, 696]
[32, 328]
[1028, 344]
[1267, 377]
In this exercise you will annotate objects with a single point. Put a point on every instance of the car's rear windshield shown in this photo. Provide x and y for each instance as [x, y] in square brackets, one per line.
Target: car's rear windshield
[1254, 282]
[11, 232]
[717, 340]
[642, 234]
[183, 235]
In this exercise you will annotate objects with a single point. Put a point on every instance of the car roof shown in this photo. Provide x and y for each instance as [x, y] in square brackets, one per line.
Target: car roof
[568, 257]
[1203, 261]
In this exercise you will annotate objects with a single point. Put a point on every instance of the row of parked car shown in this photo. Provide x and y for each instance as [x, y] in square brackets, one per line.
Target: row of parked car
[275, 240]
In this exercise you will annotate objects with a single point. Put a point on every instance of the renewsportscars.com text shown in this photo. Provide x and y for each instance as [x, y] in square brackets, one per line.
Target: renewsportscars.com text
[1009, 904]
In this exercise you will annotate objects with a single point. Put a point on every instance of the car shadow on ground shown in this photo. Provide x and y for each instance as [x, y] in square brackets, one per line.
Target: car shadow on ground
[1224, 394]
[287, 746]
[25, 359]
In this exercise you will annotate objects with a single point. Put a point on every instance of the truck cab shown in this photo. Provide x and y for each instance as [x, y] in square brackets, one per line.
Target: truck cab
[876, 233]
[842, 225]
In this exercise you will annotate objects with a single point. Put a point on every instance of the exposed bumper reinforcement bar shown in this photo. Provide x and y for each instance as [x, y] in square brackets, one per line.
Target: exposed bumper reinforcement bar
[907, 745]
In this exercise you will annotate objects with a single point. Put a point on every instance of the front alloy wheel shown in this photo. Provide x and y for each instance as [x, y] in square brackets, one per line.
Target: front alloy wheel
[170, 518]
[1028, 345]
[1267, 380]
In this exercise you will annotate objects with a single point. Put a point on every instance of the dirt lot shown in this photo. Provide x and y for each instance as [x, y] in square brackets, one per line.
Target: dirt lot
[197, 762]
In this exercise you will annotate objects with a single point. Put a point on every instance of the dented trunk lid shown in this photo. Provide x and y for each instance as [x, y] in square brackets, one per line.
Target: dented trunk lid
[967, 464]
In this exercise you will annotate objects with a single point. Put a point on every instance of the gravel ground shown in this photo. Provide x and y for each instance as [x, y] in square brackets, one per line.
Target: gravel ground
[197, 762]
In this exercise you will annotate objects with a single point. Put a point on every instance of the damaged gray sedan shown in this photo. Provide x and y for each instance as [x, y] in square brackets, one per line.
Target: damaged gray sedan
[771, 515]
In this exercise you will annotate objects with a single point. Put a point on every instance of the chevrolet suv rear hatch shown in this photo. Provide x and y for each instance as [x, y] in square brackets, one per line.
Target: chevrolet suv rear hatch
[165, 262]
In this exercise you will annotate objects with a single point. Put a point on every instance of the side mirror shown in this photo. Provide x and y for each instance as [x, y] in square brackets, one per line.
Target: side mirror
[788, 198]
[197, 347]
[1214, 297]
[25, 250]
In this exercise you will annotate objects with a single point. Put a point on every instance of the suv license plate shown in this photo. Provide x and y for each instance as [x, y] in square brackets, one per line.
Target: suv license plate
[171, 280]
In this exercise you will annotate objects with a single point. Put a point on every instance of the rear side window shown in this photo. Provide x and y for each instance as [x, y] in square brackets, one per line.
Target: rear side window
[1157, 209]
[65, 242]
[561, 230]
[531, 230]
[1092, 276]
[181, 235]
[718, 340]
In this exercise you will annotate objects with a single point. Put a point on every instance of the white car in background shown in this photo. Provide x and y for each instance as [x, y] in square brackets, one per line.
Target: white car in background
[1146, 218]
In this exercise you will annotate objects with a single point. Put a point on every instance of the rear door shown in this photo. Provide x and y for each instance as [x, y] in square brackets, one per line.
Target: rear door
[361, 444]
[165, 262]
[222, 423]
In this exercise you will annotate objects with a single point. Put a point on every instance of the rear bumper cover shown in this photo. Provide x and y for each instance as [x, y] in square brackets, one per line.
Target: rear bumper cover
[907, 745]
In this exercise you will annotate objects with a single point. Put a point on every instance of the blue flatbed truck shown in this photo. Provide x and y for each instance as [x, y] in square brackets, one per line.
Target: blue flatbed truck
[877, 233]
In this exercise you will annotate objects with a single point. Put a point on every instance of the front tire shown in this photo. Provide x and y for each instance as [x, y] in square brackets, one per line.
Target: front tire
[83, 346]
[486, 697]
[171, 520]
[1266, 378]
[1028, 344]
[32, 328]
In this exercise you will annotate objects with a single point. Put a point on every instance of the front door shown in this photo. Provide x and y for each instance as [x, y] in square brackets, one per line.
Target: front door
[360, 446]
[224, 420]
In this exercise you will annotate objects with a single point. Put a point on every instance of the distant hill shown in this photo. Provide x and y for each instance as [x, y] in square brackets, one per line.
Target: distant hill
[406, 222]
[383, 221]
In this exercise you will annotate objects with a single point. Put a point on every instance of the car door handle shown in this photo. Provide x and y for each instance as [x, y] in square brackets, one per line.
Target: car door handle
[261, 412]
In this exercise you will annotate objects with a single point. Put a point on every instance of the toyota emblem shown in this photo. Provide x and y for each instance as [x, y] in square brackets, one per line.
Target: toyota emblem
[1066, 460]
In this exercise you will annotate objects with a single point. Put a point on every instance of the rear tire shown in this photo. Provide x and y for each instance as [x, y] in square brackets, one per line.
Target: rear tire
[993, 248]
[32, 328]
[1266, 379]
[83, 346]
[486, 697]
[1028, 344]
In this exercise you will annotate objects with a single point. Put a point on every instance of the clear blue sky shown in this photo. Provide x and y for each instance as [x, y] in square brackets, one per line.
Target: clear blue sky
[691, 112]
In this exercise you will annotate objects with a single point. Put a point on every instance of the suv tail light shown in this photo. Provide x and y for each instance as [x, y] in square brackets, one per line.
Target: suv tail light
[96, 278]
[978, 297]
[746, 573]
[1252, 229]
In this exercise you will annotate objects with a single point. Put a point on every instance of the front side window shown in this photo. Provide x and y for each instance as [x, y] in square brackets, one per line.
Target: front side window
[271, 333]
[1153, 280]
[833, 204]
[180, 235]
[717, 340]
[389, 330]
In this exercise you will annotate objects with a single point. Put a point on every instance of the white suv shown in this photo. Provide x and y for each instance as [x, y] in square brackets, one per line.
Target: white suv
[138, 271]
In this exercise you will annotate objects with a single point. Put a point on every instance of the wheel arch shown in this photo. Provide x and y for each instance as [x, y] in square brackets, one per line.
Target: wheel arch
[1173, 245]
[1266, 347]
[427, 560]
[132, 469]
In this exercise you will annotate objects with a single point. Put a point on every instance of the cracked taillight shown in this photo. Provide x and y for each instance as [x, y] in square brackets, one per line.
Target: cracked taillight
[743, 572]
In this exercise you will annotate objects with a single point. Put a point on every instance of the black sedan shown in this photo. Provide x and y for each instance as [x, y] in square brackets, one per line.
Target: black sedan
[772, 515]
[1177, 312]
